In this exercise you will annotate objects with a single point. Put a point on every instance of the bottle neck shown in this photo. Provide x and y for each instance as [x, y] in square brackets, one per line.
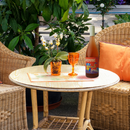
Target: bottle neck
[92, 39]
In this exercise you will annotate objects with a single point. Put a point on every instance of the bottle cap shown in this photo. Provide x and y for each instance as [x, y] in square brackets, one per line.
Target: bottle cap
[92, 30]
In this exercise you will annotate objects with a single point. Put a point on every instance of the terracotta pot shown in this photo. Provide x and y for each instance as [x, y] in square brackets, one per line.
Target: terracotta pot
[55, 68]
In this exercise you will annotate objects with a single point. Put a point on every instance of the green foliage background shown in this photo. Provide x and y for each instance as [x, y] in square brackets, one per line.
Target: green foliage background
[19, 21]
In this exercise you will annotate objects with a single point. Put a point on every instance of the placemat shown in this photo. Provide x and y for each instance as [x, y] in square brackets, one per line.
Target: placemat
[64, 77]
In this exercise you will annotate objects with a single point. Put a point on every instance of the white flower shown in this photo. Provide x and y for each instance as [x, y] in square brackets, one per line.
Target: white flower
[50, 42]
[52, 46]
[44, 44]
[61, 35]
[43, 40]
[101, 5]
[55, 35]
[46, 48]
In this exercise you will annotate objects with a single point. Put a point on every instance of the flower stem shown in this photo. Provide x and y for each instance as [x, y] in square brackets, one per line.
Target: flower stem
[57, 49]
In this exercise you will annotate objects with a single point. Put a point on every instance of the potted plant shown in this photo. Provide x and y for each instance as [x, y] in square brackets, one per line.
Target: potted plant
[55, 56]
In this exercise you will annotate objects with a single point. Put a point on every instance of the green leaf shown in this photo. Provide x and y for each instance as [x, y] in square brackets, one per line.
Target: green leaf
[85, 9]
[63, 4]
[28, 42]
[4, 24]
[36, 3]
[31, 27]
[32, 9]
[13, 24]
[74, 7]
[56, 10]
[51, 33]
[13, 43]
[8, 12]
[62, 55]
[19, 28]
[8, 2]
[17, 2]
[41, 6]
[33, 1]
[28, 3]
[0, 19]
[46, 13]
[70, 45]
[42, 59]
[24, 5]
[37, 47]
[78, 1]
[47, 62]
[65, 16]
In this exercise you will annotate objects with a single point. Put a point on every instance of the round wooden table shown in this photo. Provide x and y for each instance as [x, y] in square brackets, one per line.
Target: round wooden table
[36, 79]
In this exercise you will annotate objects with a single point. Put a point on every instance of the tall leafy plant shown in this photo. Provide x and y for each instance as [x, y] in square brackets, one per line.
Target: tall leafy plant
[72, 29]
[19, 19]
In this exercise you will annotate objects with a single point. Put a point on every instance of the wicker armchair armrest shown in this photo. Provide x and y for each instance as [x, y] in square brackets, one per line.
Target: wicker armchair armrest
[10, 61]
[11, 54]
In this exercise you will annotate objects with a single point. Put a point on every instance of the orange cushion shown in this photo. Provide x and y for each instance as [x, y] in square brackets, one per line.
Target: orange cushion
[0, 82]
[115, 58]
[126, 65]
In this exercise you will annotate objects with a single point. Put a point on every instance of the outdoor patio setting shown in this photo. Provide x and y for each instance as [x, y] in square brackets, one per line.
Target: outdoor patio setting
[65, 65]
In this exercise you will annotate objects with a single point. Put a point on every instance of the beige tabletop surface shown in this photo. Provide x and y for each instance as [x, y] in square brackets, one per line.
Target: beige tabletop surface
[66, 83]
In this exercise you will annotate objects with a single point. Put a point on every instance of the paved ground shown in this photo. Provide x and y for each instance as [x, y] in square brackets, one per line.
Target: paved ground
[69, 102]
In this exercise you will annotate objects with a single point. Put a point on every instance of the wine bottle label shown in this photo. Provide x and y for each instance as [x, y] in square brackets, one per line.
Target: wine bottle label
[92, 65]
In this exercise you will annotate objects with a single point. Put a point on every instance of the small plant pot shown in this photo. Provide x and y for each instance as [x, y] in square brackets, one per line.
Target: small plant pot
[55, 68]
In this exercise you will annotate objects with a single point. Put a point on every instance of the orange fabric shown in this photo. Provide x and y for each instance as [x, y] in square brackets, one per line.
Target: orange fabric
[115, 58]
[126, 65]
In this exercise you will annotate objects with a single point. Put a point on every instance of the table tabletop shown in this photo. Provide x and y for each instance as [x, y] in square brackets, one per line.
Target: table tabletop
[63, 83]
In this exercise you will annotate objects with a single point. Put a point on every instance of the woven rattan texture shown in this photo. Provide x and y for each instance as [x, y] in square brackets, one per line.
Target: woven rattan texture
[12, 98]
[58, 123]
[12, 108]
[111, 106]
[10, 61]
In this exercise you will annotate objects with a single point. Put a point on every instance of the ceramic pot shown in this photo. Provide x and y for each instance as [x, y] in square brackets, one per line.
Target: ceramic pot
[55, 68]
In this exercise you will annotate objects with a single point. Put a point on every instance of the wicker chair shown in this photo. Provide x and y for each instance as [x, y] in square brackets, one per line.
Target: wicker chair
[110, 108]
[12, 98]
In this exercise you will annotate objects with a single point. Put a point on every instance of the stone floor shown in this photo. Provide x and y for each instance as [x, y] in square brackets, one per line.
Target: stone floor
[69, 102]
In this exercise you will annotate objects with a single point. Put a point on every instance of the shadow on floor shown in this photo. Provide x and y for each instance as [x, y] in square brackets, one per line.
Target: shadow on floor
[68, 107]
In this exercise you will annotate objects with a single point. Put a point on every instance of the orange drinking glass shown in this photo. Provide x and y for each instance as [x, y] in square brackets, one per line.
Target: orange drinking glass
[73, 58]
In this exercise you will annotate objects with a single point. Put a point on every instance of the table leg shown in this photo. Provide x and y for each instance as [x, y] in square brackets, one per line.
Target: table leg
[82, 111]
[45, 103]
[34, 108]
[87, 123]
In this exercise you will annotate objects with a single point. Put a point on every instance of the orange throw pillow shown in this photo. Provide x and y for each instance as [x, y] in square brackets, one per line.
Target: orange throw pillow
[126, 65]
[115, 58]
